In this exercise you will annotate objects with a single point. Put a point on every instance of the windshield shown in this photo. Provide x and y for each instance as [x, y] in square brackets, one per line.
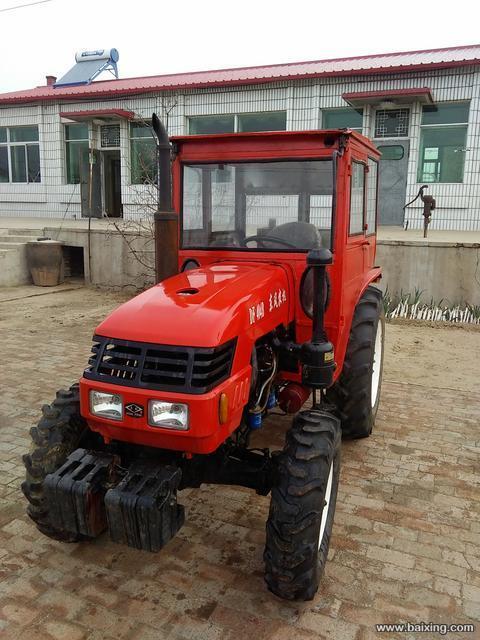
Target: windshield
[282, 206]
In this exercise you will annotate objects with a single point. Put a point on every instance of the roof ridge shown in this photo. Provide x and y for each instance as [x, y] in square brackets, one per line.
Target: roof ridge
[288, 64]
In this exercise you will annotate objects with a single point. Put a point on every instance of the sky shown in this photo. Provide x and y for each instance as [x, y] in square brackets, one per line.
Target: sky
[155, 37]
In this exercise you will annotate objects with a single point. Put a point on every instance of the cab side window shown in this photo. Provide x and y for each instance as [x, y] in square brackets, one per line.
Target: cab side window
[371, 214]
[357, 198]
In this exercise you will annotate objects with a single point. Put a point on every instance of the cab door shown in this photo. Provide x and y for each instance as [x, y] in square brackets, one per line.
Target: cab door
[361, 224]
[352, 244]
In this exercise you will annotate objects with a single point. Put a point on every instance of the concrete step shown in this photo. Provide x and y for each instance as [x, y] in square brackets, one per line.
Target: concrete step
[13, 264]
[13, 254]
[19, 239]
[25, 232]
[13, 245]
[10, 231]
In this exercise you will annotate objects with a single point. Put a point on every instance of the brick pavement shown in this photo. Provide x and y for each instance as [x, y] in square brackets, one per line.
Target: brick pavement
[405, 543]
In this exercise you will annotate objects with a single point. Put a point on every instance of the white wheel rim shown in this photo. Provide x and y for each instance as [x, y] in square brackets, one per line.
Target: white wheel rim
[377, 362]
[326, 508]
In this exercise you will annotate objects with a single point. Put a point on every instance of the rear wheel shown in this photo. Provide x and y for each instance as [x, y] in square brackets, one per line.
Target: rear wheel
[303, 505]
[356, 394]
[60, 431]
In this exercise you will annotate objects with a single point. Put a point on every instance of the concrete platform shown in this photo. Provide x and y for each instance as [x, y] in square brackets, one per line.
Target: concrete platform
[13, 260]
[451, 238]
[444, 266]
[390, 233]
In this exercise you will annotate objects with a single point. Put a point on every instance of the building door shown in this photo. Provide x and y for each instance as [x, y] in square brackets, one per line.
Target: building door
[90, 184]
[392, 180]
[112, 188]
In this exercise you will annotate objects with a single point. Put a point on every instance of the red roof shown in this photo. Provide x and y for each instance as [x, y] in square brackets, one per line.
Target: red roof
[359, 65]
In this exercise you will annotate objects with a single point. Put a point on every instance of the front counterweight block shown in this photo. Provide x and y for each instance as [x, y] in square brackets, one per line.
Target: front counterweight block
[142, 510]
[75, 492]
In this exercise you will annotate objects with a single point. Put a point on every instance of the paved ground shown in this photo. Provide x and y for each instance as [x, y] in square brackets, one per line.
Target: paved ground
[406, 543]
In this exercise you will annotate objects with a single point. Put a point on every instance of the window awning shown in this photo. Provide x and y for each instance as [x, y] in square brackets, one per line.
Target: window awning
[97, 114]
[394, 96]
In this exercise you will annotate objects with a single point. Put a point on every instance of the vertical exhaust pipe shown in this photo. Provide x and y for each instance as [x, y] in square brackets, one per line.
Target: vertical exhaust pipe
[165, 218]
[317, 356]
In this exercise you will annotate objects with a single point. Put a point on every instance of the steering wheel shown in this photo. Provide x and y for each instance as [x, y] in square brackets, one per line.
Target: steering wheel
[262, 239]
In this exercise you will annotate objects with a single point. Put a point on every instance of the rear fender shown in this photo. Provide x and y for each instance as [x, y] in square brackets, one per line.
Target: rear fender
[371, 276]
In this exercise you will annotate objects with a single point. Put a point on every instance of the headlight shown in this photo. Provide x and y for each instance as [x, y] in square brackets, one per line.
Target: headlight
[106, 405]
[171, 415]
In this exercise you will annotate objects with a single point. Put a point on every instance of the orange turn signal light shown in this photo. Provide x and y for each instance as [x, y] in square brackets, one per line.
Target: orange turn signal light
[223, 408]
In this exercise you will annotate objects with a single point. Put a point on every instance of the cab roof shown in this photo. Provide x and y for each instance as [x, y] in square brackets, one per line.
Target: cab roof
[270, 143]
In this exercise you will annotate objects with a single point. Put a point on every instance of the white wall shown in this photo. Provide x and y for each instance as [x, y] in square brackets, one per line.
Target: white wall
[458, 205]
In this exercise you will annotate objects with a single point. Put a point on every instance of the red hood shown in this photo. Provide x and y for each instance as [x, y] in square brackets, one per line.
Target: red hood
[217, 311]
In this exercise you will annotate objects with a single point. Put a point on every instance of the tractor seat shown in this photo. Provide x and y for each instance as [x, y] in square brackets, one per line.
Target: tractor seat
[301, 234]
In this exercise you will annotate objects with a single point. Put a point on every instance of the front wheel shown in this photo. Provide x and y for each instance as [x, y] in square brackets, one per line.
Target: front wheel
[60, 431]
[303, 505]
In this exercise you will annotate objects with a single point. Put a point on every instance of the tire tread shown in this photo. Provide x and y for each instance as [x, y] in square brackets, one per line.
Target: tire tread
[293, 562]
[57, 434]
[351, 392]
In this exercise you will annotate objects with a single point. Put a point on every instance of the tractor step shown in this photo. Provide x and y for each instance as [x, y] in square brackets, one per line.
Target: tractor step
[142, 510]
[75, 492]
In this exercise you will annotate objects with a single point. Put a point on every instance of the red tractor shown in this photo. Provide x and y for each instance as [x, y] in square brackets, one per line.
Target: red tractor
[265, 261]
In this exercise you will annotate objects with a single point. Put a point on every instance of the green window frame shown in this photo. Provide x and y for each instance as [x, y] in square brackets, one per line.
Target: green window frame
[240, 123]
[76, 144]
[391, 151]
[262, 121]
[19, 154]
[443, 140]
[344, 118]
[205, 125]
[143, 154]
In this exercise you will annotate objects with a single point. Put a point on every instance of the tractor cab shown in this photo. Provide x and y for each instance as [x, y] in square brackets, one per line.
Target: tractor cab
[265, 302]
[274, 197]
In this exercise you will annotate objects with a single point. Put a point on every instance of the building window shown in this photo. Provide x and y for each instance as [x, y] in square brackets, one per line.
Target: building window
[391, 151]
[19, 154]
[143, 154]
[266, 121]
[392, 123]
[357, 198]
[76, 144]
[243, 122]
[343, 119]
[110, 135]
[202, 125]
[372, 178]
[443, 142]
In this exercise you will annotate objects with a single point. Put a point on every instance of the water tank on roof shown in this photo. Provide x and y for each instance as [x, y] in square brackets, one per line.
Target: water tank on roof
[89, 65]
[97, 54]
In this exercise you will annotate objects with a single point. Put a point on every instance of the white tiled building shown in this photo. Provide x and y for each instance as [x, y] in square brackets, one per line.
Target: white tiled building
[421, 108]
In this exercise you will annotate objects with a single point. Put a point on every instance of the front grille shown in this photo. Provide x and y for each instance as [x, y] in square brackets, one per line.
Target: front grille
[162, 367]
